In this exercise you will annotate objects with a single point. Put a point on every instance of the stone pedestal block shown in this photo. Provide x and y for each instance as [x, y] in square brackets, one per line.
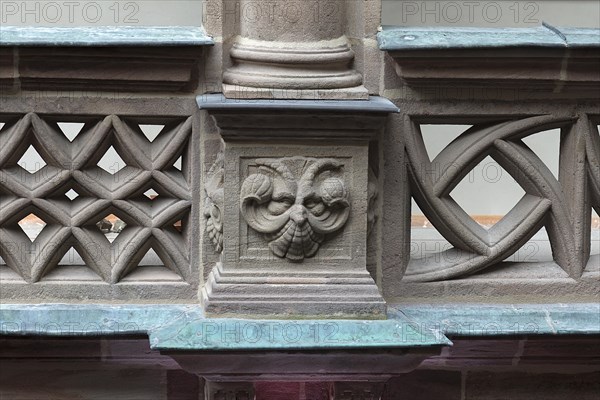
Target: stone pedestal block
[295, 206]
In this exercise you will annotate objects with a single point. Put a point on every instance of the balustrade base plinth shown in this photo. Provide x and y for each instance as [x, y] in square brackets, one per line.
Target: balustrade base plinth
[255, 295]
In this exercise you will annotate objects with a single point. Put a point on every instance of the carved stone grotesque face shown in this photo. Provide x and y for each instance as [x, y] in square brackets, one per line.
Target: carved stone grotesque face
[295, 214]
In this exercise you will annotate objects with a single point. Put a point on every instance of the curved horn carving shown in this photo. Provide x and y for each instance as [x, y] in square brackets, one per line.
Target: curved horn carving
[255, 196]
[319, 166]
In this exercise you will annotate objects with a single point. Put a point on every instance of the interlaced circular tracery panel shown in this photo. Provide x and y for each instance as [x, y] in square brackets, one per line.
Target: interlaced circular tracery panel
[71, 193]
[544, 204]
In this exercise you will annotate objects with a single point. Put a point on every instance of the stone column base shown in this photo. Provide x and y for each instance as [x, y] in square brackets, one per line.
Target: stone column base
[293, 70]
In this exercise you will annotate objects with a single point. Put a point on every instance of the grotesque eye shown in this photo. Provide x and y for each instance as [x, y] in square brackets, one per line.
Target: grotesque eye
[315, 206]
[279, 206]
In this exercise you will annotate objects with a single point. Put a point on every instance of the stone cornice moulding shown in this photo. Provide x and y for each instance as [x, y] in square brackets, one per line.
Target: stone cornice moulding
[559, 60]
[136, 59]
[334, 119]
[374, 104]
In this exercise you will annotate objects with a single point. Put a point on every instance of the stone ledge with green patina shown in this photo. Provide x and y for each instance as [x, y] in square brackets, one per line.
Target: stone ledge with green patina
[394, 38]
[104, 36]
[184, 327]
[485, 320]
[239, 334]
[90, 319]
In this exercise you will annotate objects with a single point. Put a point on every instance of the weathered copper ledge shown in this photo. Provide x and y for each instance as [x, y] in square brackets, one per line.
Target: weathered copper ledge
[173, 327]
[127, 59]
[238, 349]
[393, 38]
[102, 36]
[548, 59]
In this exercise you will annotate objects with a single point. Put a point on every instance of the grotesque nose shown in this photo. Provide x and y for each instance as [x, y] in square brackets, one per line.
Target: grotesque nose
[298, 214]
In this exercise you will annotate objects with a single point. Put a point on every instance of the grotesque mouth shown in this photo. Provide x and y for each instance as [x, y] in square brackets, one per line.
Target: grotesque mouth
[295, 241]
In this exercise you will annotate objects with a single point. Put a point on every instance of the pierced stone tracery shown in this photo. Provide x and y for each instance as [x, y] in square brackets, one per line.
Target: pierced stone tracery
[71, 193]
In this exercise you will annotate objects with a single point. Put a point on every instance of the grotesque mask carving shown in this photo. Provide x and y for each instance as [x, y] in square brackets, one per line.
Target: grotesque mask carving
[295, 214]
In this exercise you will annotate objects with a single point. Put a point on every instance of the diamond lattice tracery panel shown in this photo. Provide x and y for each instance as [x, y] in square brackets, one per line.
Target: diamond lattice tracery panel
[76, 184]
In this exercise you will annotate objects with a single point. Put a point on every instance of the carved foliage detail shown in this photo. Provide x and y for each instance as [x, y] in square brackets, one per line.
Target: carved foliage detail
[213, 203]
[295, 215]
[373, 193]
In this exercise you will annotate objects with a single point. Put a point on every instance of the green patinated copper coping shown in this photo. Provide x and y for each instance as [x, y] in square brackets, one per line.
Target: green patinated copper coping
[102, 36]
[92, 319]
[505, 320]
[395, 38]
[237, 334]
[183, 327]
